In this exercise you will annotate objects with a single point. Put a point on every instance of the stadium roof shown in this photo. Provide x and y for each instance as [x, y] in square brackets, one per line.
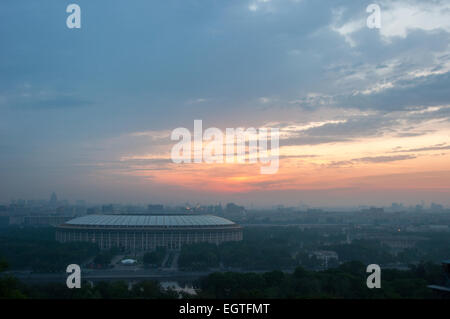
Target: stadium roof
[142, 221]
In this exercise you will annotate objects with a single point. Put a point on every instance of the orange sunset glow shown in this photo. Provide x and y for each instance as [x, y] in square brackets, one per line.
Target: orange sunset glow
[384, 162]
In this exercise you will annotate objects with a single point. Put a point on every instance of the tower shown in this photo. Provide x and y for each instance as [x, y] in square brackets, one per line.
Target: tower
[53, 199]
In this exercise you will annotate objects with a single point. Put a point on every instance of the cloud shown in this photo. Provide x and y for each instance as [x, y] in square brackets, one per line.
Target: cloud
[371, 159]
[259, 4]
[426, 91]
[353, 128]
[437, 147]
[314, 100]
[398, 19]
[265, 100]
[383, 159]
[198, 100]
[60, 102]
[28, 97]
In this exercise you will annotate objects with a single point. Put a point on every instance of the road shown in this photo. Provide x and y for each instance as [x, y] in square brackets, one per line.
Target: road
[109, 275]
[118, 274]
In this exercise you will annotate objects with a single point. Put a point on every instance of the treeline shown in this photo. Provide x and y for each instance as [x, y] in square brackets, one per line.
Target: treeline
[11, 288]
[154, 258]
[365, 251]
[103, 290]
[240, 255]
[36, 249]
[346, 281]
[279, 248]
[262, 249]
[434, 248]
[104, 257]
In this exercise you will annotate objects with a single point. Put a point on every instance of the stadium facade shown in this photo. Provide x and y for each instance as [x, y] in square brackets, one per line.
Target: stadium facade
[141, 233]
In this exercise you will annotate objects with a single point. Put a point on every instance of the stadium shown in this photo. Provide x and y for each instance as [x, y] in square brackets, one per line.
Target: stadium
[142, 233]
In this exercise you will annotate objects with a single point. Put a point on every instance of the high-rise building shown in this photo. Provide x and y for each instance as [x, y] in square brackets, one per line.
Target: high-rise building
[53, 199]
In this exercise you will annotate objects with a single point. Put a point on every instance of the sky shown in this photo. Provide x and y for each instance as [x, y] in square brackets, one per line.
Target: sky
[363, 113]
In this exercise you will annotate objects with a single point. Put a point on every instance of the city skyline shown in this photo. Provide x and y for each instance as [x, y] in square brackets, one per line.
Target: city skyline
[54, 203]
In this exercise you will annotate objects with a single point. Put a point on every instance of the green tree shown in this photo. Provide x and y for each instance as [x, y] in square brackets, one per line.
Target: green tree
[155, 258]
[9, 286]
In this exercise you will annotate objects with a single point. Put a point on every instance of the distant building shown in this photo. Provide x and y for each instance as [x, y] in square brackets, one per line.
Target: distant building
[397, 207]
[438, 228]
[108, 208]
[436, 207]
[93, 210]
[45, 220]
[53, 199]
[81, 203]
[374, 210]
[155, 208]
[234, 211]
[4, 221]
[396, 243]
[16, 220]
[326, 257]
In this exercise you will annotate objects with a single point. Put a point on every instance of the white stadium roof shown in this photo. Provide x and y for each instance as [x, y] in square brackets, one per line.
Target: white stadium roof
[152, 220]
